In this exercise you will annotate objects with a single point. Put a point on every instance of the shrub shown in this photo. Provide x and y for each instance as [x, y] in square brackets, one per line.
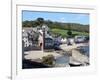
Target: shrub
[48, 60]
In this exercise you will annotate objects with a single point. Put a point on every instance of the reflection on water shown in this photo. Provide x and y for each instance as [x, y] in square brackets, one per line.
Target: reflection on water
[84, 50]
[62, 60]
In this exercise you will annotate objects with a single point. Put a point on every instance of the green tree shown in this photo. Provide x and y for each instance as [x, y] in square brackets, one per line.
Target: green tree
[69, 32]
[40, 21]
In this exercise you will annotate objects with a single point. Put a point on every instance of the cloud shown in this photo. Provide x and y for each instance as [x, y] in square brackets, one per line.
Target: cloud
[63, 19]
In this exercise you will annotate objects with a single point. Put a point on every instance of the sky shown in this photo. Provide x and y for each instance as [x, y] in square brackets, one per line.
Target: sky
[81, 18]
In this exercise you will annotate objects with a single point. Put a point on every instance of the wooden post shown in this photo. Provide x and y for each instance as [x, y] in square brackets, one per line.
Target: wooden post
[43, 39]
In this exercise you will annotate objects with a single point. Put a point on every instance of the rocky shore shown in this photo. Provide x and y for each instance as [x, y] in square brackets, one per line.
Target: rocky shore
[68, 56]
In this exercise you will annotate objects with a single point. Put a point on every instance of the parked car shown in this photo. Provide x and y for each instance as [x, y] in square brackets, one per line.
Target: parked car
[56, 47]
[70, 41]
[63, 40]
[86, 38]
[79, 39]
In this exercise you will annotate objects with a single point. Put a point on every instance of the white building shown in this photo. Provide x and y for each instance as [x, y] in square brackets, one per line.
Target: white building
[29, 35]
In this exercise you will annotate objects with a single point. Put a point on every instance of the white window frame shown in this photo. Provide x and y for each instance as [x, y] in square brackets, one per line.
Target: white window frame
[28, 74]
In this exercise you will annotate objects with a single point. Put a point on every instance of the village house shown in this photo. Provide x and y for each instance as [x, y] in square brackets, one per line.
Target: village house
[36, 36]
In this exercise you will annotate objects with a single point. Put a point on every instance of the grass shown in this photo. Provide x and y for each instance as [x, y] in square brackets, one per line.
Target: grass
[63, 33]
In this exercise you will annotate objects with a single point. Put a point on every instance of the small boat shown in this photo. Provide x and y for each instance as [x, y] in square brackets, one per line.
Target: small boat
[74, 63]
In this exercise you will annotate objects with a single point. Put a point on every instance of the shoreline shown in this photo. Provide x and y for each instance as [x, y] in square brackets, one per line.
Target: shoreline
[65, 53]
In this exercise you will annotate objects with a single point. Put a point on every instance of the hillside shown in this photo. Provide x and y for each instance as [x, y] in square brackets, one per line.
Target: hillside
[59, 25]
[61, 28]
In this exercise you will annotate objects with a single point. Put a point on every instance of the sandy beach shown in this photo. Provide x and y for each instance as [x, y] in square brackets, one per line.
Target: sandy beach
[39, 54]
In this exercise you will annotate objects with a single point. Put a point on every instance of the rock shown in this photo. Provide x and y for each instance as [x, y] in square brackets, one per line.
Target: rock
[79, 56]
